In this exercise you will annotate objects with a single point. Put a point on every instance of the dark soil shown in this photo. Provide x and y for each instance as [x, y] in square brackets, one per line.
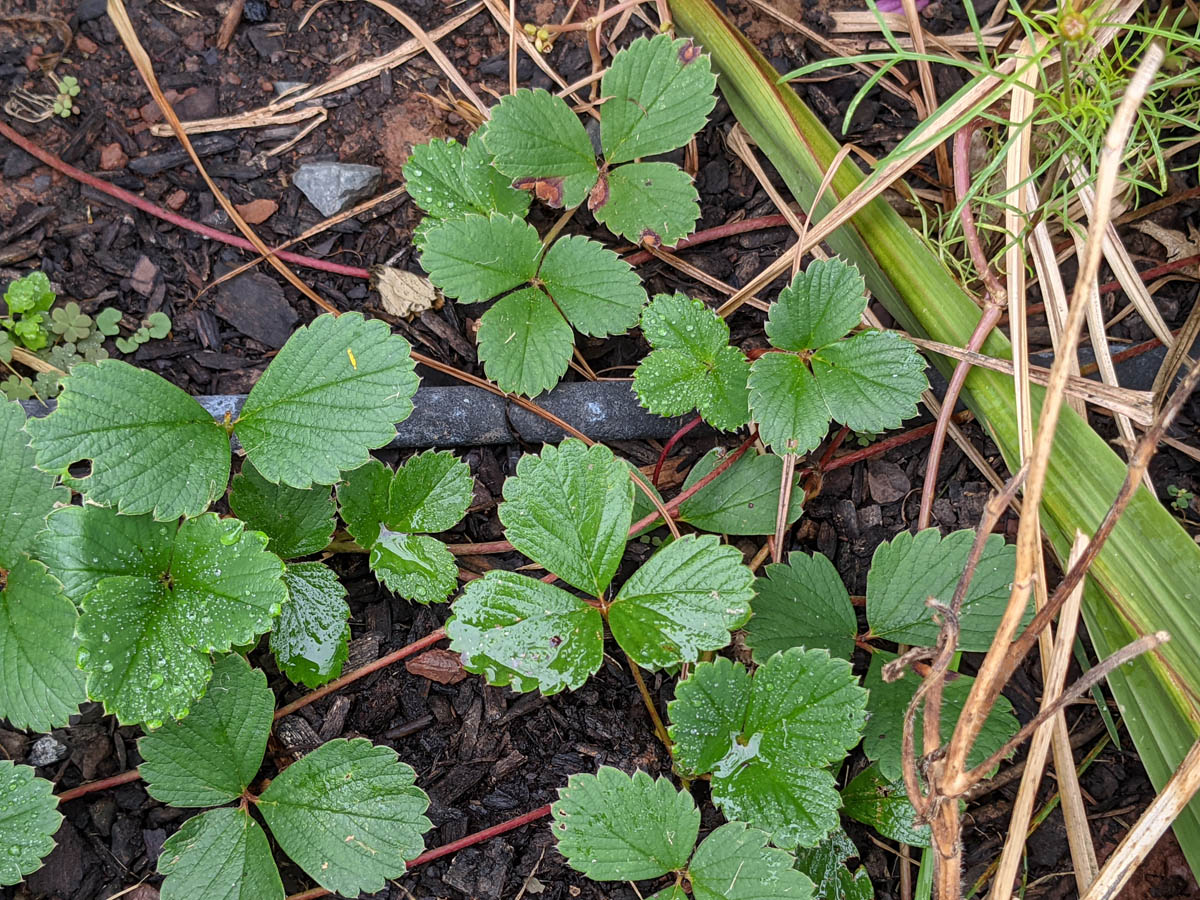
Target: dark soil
[484, 754]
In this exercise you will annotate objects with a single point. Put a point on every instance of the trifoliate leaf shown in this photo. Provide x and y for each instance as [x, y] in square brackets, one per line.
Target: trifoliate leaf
[310, 640]
[870, 382]
[298, 522]
[415, 566]
[515, 630]
[832, 878]
[767, 738]
[26, 495]
[684, 600]
[801, 604]
[653, 203]
[157, 600]
[429, 493]
[911, 568]
[153, 449]
[596, 290]
[221, 853]
[821, 305]
[30, 293]
[888, 703]
[613, 827]
[29, 817]
[211, 757]
[539, 141]
[692, 365]
[569, 511]
[448, 181]
[658, 94]
[348, 814]
[874, 800]
[787, 404]
[477, 257]
[743, 499]
[735, 863]
[333, 393]
[40, 685]
[525, 343]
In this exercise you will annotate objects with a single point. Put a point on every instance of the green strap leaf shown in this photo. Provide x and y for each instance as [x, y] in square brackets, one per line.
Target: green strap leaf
[40, 685]
[735, 863]
[653, 202]
[26, 495]
[525, 343]
[310, 640]
[832, 878]
[222, 853]
[872, 381]
[874, 800]
[29, 817]
[787, 403]
[658, 93]
[349, 814]
[613, 827]
[297, 522]
[821, 305]
[333, 393]
[211, 757]
[153, 449]
[515, 630]
[911, 568]
[684, 600]
[596, 290]
[415, 566]
[159, 600]
[477, 257]
[569, 510]
[801, 604]
[448, 181]
[741, 500]
[538, 140]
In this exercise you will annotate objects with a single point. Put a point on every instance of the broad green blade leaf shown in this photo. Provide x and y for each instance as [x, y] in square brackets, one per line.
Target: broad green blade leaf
[477, 257]
[541, 143]
[596, 290]
[333, 393]
[741, 500]
[910, 568]
[888, 703]
[29, 817]
[525, 343]
[222, 854]
[153, 449]
[26, 495]
[873, 800]
[298, 522]
[40, 684]
[653, 203]
[821, 305]
[658, 94]
[832, 878]
[870, 382]
[158, 601]
[569, 511]
[787, 404]
[613, 827]
[515, 630]
[210, 757]
[311, 637]
[448, 181]
[684, 600]
[767, 738]
[801, 604]
[427, 494]
[692, 365]
[349, 815]
[415, 566]
[735, 863]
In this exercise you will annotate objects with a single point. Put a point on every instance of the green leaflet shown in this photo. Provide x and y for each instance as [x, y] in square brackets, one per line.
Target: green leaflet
[826, 866]
[874, 800]
[415, 566]
[29, 818]
[311, 637]
[870, 382]
[477, 257]
[741, 500]
[525, 343]
[652, 203]
[297, 522]
[735, 863]
[449, 180]
[221, 853]
[26, 495]
[596, 290]
[821, 304]
[802, 604]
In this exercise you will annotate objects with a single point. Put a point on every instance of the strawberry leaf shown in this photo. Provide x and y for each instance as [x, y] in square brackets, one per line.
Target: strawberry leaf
[297, 522]
[870, 382]
[26, 494]
[29, 817]
[735, 863]
[874, 800]
[415, 566]
[653, 203]
[826, 866]
[477, 257]
[787, 403]
[743, 499]
[801, 604]
[310, 640]
[596, 290]
[449, 180]
[525, 343]
[821, 304]
[221, 853]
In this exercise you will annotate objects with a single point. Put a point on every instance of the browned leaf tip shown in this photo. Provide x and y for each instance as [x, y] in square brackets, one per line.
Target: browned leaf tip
[651, 239]
[689, 52]
[598, 196]
[548, 190]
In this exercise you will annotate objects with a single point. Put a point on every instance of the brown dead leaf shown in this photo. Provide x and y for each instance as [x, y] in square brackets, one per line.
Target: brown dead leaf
[257, 211]
[442, 666]
[1177, 243]
[403, 293]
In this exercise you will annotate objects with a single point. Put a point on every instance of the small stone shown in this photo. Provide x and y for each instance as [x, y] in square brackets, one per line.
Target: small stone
[141, 279]
[86, 44]
[46, 751]
[112, 157]
[887, 481]
[91, 9]
[255, 12]
[332, 187]
[257, 211]
[176, 200]
[870, 517]
[200, 104]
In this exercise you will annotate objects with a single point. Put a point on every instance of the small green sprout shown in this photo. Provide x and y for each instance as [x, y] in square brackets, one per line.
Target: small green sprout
[1181, 499]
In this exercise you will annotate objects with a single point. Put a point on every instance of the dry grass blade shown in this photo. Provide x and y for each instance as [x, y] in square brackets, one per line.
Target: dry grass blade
[1177, 356]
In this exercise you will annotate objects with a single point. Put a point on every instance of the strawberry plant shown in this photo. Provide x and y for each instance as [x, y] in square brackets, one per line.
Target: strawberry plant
[29, 817]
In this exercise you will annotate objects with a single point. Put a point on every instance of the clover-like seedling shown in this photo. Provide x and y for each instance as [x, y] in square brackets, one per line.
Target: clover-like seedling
[28, 299]
[569, 510]
[29, 817]
[391, 514]
[348, 813]
[869, 382]
[767, 739]
[614, 827]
